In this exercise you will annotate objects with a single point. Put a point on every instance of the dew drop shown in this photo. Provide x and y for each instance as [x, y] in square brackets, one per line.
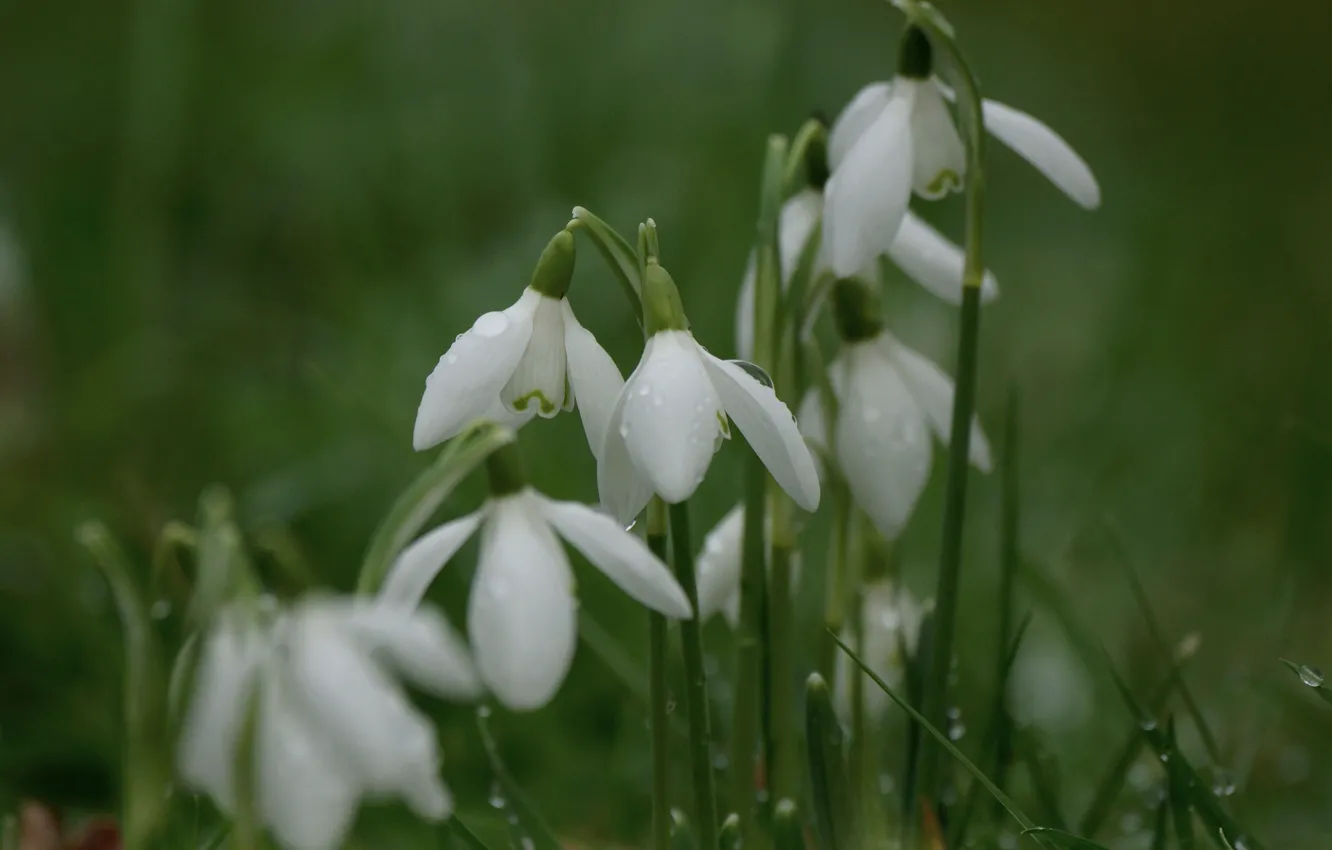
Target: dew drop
[670, 706]
[451, 359]
[491, 325]
[1148, 724]
[1130, 823]
[630, 526]
[644, 389]
[497, 796]
[624, 430]
[1165, 757]
[886, 784]
[1223, 784]
[161, 610]
[483, 712]
[1311, 676]
[956, 731]
[720, 762]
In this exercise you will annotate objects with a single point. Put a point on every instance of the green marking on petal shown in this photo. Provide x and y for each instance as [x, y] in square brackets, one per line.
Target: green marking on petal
[947, 180]
[547, 407]
[725, 425]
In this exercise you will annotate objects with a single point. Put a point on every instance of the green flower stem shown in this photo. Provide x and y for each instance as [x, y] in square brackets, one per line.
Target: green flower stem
[784, 751]
[696, 688]
[835, 577]
[935, 692]
[749, 647]
[659, 696]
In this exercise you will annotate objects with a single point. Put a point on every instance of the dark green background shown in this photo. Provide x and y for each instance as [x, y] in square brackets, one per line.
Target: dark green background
[247, 229]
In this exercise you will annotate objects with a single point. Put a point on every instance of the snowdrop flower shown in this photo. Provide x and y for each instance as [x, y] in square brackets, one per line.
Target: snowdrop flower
[891, 617]
[923, 253]
[675, 410]
[890, 399]
[330, 722]
[719, 564]
[522, 612]
[898, 137]
[532, 359]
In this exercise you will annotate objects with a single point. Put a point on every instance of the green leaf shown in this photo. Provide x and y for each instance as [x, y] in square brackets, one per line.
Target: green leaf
[833, 814]
[1178, 794]
[787, 830]
[1161, 832]
[942, 740]
[1310, 677]
[1060, 838]
[1040, 766]
[530, 829]
[424, 496]
[147, 777]
[459, 834]
[619, 255]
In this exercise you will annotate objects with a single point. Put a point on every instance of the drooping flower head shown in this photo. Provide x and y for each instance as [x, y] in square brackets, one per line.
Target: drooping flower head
[675, 410]
[891, 618]
[532, 359]
[522, 611]
[898, 137]
[889, 400]
[316, 688]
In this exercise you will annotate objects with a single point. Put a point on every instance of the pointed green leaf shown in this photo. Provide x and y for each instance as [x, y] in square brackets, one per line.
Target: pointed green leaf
[531, 830]
[682, 836]
[787, 831]
[1310, 677]
[1060, 838]
[728, 837]
[461, 836]
[424, 496]
[827, 768]
[1161, 832]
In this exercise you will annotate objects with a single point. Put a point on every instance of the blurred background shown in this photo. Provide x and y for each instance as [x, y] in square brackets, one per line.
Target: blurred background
[236, 236]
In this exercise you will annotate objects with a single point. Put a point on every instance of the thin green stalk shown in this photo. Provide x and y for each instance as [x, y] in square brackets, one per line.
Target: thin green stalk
[935, 697]
[1009, 546]
[784, 776]
[659, 696]
[696, 687]
[753, 578]
[834, 569]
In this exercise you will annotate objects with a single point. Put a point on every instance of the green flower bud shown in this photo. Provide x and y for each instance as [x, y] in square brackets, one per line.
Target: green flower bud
[662, 310]
[856, 310]
[554, 269]
[916, 61]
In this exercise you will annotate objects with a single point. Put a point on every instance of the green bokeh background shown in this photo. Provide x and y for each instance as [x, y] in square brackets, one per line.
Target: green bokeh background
[239, 234]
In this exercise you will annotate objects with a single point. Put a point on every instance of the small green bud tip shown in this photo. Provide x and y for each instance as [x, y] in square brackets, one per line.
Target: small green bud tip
[662, 310]
[856, 310]
[916, 60]
[505, 470]
[815, 682]
[554, 269]
[816, 160]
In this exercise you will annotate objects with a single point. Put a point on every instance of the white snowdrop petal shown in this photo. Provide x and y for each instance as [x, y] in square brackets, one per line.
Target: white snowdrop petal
[1046, 150]
[522, 615]
[540, 381]
[417, 565]
[813, 425]
[800, 217]
[883, 441]
[719, 563]
[223, 688]
[769, 427]
[305, 794]
[855, 119]
[932, 389]
[595, 379]
[472, 372]
[939, 159]
[421, 646]
[868, 193]
[623, 557]
[672, 416]
[624, 492]
[931, 260]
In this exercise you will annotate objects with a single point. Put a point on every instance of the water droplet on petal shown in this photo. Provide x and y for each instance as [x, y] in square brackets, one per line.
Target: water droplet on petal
[644, 389]
[1148, 724]
[630, 526]
[624, 430]
[491, 325]
[497, 796]
[1311, 676]
[451, 359]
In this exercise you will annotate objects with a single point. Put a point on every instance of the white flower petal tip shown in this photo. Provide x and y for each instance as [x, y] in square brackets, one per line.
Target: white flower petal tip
[418, 564]
[932, 389]
[595, 379]
[469, 376]
[624, 558]
[934, 261]
[855, 118]
[769, 427]
[718, 566]
[623, 491]
[1046, 150]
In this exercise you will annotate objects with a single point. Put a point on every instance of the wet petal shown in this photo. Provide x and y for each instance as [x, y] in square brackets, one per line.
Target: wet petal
[624, 492]
[421, 646]
[939, 158]
[1046, 150]
[719, 563]
[417, 565]
[933, 261]
[595, 378]
[933, 391]
[855, 119]
[539, 381]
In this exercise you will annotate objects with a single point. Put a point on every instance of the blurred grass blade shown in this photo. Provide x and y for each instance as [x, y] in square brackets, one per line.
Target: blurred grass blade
[1120, 546]
[728, 837]
[169, 578]
[522, 815]
[1310, 677]
[424, 496]
[1043, 773]
[222, 561]
[1055, 600]
[1010, 529]
[788, 832]
[682, 836]
[1180, 772]
[619, 255]
[829, 784]
[1178, 794]
[1061, 838]
[1161, 831]
[915, 679]
[216, 839]
[459, 834]
[941, 739]
[147, 778]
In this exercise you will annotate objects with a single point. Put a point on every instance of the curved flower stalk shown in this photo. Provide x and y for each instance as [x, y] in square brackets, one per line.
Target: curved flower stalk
[891, 618]
[890, 399]
[898, 137]
[522, 612]
[921, 252]
[313, 691]
[675, 410]
[532, 359]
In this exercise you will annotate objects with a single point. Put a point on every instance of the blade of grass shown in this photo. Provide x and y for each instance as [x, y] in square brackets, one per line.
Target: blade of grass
[1009, 545]
[829, 783]
[682, 836]
[916, 670]
[1311, 677]
[1120, 546]
[1178, 794]
[728, 837]
[1039, 767]
[458, 833]
[787, 830]
[1161, 833]
[523, 815]
[1060, 838]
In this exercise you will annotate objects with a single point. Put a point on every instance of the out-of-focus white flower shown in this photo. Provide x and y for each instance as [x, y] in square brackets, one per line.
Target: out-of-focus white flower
[898, 137]
[675, 411]
[718, 567]
[533, 358]
[922, 252]
[890, 399]
[522, 612]
[891, 617]
[330, 724]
